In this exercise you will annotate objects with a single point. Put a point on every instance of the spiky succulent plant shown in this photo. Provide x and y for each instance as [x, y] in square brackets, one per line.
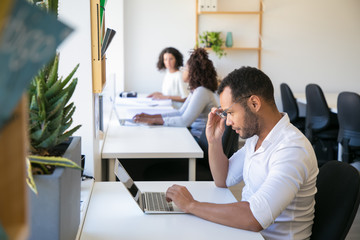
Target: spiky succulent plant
[50, 115]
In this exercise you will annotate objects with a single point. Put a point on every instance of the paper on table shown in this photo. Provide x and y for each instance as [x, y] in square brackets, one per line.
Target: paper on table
[129, 112]
[143, 102]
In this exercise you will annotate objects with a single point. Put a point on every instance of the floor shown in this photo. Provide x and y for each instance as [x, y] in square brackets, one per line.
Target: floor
[354, 233]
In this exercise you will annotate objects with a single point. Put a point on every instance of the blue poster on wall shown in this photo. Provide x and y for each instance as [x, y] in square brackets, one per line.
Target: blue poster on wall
[27, 42]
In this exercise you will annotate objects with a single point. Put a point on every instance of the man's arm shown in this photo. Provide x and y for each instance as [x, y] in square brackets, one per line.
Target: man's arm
[236, 215]
[218, 162]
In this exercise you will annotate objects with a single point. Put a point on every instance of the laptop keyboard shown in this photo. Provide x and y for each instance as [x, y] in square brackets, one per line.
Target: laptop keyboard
[156, 201]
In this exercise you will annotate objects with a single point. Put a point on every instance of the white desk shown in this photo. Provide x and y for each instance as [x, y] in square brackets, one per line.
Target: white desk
[86, 190]
[113, 214]
[149, 142]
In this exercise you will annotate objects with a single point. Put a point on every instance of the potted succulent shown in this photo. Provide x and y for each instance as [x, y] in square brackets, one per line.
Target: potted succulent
[55, 199]
[214, 41]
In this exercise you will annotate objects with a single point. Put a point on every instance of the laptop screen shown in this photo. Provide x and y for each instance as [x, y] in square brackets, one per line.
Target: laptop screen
[124, 177]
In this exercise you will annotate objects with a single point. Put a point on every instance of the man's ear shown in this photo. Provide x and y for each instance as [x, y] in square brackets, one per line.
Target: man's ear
[254, 103]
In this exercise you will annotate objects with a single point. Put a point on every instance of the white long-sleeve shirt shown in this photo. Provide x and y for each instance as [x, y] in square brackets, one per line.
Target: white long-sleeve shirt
[194, 111]
[280, 181]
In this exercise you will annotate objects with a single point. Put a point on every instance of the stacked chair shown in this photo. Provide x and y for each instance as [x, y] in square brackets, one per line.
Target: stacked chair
[348, 106]
[321, 125]
[291, 108]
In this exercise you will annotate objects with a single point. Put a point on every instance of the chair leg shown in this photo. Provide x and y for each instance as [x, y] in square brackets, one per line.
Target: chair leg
[345, 150]
[325, 149]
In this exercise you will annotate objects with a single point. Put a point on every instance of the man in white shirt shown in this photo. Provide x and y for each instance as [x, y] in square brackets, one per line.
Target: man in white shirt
[277, 163]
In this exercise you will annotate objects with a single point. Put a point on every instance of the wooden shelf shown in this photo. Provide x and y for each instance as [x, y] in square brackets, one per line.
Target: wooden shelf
[258, 48]
[231, 12]
[239, 48]
[98, 62]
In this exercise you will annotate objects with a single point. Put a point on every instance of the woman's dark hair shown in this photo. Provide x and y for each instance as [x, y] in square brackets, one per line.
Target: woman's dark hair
[247, 81]
[178, 57]
[201, 70]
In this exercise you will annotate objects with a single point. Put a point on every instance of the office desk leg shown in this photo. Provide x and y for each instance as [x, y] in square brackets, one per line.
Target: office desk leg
[111, 173]
[192, 169]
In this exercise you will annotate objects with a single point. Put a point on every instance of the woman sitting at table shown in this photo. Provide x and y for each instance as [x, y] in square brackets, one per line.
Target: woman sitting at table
[200, 73]
[173, 87]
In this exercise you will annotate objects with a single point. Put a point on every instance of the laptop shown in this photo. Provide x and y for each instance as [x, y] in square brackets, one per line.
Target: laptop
[149, 202]
[122, 120]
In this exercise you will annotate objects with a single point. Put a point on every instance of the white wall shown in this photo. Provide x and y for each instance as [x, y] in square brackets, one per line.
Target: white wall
[313, 42]
[303, 41]
[77, 49]
[149, 27]
[115, 53]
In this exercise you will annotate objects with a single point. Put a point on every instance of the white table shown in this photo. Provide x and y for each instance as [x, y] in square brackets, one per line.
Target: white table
[85, 194]
[148, 142]
[113, 214]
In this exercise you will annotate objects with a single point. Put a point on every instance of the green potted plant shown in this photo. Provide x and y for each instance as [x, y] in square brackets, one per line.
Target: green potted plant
[55, 199]
[214, 41]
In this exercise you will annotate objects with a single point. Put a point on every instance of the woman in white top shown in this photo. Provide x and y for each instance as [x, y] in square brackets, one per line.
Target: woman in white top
[202, 78]
[173, 86]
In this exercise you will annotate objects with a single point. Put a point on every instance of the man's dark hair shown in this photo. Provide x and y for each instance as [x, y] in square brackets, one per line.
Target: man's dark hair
[178, 57]
[247, 81]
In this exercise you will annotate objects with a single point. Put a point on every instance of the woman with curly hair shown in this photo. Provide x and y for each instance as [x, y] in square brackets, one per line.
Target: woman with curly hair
[173, 87]
[200, 73]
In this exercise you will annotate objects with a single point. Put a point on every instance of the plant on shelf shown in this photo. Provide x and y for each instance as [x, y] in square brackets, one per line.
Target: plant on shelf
[214, 41]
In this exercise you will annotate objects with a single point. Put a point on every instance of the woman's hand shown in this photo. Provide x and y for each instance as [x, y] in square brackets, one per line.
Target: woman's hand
[157, 95]
[148, 119]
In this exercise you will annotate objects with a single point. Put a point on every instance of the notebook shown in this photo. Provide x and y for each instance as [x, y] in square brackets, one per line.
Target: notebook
[149, 202]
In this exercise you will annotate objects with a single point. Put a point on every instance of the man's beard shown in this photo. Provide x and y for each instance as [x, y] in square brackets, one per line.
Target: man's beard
[251, 126]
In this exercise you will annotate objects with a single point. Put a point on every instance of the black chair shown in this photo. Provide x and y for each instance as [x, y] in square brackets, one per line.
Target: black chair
[337, 201]
[230, 142]
[348, 106]
[290, 106]
[321, 125]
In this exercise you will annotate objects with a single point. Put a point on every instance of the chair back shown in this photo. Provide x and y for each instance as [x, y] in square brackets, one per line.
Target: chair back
[317, 110]
[289, 102]
[348, 106]
[336, 201]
